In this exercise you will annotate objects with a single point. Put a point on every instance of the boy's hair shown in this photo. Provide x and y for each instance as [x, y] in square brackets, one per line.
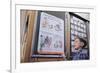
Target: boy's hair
[82, 40]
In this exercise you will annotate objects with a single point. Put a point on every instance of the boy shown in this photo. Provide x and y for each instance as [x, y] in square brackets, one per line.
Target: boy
[80, 53]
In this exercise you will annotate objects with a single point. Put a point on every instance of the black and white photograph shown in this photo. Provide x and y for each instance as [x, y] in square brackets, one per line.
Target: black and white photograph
[54, 35]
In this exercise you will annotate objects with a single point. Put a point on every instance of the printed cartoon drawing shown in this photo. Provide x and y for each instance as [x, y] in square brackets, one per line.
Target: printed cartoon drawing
[58, 44]
[45, 41]
[57, 27]
[44, 23]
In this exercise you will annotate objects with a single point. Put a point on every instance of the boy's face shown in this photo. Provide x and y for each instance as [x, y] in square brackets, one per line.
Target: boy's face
[77, 44]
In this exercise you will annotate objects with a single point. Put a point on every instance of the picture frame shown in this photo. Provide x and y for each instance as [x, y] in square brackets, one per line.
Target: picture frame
[16, 66]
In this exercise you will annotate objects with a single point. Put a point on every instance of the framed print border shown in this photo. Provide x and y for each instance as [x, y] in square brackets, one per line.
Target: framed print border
[16, 66]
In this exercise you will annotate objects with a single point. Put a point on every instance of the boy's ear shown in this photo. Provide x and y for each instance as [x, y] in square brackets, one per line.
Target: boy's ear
[82, 44]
